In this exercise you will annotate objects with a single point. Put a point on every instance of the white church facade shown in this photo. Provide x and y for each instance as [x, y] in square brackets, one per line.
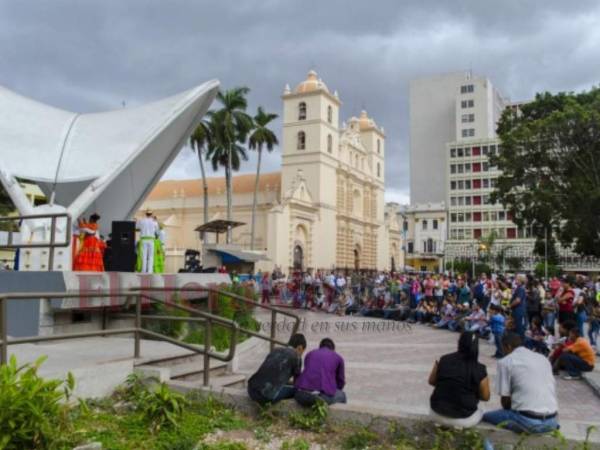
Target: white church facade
[324, 210]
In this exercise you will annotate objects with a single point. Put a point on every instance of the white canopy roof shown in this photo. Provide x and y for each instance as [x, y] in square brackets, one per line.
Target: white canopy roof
[106, 162]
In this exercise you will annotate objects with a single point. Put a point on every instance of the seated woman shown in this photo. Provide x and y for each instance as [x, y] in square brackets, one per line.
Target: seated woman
[460, 381]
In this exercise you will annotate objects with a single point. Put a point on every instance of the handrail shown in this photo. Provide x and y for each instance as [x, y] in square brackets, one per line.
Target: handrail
[274, 311]
[50, 245]
[137, 329]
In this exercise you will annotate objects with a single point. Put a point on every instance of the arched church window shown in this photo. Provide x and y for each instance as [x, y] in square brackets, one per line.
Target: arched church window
[301, 145]
[302, 111]
[378, 170]
[378, 146]
[329, 114]
[329, 143]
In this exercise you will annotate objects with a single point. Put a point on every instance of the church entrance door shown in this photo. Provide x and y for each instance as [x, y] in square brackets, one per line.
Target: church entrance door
[298, 258]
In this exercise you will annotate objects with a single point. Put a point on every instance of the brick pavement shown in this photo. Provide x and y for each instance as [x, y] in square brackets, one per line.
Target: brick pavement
[388, 369]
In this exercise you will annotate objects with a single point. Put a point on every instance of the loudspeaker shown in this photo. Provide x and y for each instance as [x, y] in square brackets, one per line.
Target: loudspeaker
[123, 247]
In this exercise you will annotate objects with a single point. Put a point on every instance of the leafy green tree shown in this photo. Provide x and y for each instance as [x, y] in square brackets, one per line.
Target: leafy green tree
[231, 128]
[550, 163]
[261, 136]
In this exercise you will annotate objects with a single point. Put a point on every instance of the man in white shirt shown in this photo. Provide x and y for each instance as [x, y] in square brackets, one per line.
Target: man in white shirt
[148, 228]
[527, 389]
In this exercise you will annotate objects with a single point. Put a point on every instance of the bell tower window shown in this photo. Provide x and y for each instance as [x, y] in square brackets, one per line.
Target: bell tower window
[302, 111]
[329, 144]
[329, 114]
[301, 145]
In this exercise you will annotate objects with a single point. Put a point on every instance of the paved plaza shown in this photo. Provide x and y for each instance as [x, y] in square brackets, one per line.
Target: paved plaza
[387, 368]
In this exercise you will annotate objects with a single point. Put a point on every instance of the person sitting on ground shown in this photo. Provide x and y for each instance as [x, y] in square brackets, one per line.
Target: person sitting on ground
[447, 313]
[535, 337]
[460, 381]
[563, 342]
[323, 376]
[497, 327]
[527, 389]
[270, 383]
[476, 321]
[578, 357]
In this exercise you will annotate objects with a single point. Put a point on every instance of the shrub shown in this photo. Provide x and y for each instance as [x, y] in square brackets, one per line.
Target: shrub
[313, 419]
[33, 412]
[361, 439]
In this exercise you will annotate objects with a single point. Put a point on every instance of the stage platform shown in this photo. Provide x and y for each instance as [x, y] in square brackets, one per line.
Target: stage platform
[42, 316]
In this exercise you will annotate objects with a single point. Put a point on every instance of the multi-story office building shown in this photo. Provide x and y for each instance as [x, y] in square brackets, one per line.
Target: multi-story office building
[446, 108]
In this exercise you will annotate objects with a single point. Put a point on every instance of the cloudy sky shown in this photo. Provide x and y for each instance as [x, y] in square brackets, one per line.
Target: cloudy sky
[94, 55]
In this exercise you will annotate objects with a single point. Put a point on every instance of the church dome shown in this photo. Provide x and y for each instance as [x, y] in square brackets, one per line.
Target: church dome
[312, 83]
[364, 122]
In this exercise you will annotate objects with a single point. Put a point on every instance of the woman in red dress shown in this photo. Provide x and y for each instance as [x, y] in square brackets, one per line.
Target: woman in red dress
[90, 257]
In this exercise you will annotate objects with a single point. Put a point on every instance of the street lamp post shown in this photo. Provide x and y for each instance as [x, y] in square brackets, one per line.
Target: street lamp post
[546, 253]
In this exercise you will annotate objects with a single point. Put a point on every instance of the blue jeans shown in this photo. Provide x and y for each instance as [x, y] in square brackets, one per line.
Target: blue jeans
[286, 391]
[573, 364]
[593, 331]
[549, 319]
[498, 342]
[514, 421]
[519, 317]
[338, 397]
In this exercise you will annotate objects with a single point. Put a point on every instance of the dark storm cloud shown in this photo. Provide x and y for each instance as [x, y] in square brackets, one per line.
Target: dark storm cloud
[92, 55]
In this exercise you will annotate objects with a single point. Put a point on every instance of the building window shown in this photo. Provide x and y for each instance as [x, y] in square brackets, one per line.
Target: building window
[467, 104]
[511, 233]
[461, 184]
[410, 247]
[486, 166]
[453, 217]
[330, 114]
[459, 152]
[301, 145]
[461, 168]
[476, 167]
[467, 184]
[467, 88]
[468, 151]
[378, 170]
[477, 233]
[477, 184]
[486, 183]
[468, 118]
[329, 143]
[477, 216]
[477, 199]
[424, 246]
[468, 132]
[435, 224]
[452, 201]
[424, 225]
[467, 167]
[452, 153]
[452, 185]
[452, 168]
[405, 225]
[501, 215]
[302, 111]
[468, 201]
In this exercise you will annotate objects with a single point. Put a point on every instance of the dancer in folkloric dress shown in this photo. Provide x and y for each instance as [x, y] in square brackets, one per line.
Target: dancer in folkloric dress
[90, 256]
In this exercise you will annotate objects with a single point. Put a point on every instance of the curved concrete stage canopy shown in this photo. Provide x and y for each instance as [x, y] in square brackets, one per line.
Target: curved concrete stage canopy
[106, 162]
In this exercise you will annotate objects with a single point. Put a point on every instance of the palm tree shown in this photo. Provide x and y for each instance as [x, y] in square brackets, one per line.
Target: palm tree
[261, 136]
[231, 128]
[201, 141]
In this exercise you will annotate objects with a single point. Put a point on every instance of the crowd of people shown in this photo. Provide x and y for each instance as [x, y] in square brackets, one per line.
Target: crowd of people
[537, 327]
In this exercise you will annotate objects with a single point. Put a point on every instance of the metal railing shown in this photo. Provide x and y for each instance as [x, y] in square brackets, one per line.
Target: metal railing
[206, 317]
[272, 338]
[51, 245]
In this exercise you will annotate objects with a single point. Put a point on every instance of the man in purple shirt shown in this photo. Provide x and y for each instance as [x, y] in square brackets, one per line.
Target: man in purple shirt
[323, 376]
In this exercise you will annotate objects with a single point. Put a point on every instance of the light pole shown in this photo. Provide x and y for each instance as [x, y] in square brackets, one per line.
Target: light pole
[546, 253]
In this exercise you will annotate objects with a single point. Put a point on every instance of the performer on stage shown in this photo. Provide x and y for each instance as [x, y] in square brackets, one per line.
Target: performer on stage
[159, 248]
[90, 256]
[148, 229]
